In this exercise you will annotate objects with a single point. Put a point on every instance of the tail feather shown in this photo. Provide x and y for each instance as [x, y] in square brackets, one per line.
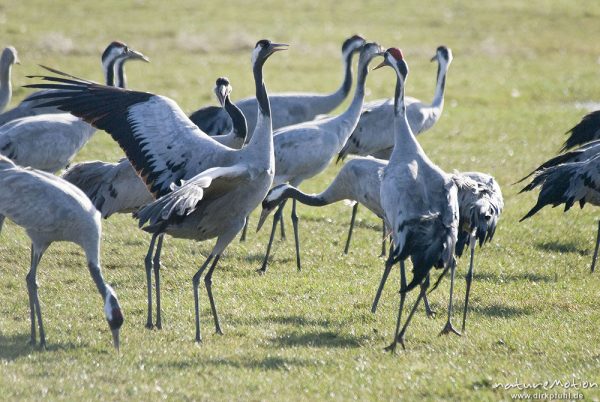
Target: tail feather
[588, 129]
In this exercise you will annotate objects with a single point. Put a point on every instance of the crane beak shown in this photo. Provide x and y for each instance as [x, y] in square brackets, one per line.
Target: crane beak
[434, 58]
[263, 217]
[276, 47]
[133, 54]
[222, 95]
[382, 64]
[115, 335]
[17, 61]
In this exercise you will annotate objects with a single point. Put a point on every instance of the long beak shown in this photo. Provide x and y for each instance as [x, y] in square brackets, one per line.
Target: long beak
[221, 94]
[133, 54]
[263, 217]
[115, 334]
[382, 64]
[434, 58]
[17, 61]
[275, 47]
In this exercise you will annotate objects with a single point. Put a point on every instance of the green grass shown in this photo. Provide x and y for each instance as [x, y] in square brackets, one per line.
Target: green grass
[310, 335]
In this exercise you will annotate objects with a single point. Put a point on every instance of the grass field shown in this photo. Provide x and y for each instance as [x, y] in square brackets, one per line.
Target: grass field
[519, 72]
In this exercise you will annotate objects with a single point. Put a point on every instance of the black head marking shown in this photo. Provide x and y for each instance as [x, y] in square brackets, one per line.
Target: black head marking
[353, 40]
[443, 51]
[223, 81]
[114, 45]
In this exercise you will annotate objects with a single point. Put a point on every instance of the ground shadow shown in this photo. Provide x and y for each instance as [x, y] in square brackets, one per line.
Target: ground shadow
[319, 339]
[518, 277]
[562, 247]
[14, 346]
[267, 363]
[499, 310]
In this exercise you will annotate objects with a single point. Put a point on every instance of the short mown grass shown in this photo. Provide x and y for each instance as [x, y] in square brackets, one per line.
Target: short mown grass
[519, 70]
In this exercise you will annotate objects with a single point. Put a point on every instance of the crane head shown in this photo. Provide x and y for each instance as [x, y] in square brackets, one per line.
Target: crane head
[394, 58]
[9, 56]
[274, 198]
[265, 48]
[353, 44]
[114, 316]
[443, 54]
[222, 89]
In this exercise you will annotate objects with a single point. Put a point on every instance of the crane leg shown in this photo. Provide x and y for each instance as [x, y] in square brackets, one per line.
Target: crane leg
[195, 282]
[383, 238]
[276, 218]
[596, 249]
[244, 230]
[208, 284]
[354, 210]
[469, 279]
[449, 327]
[148, 263]
[386, 272]
[296, 234]
[282, 224]
[1, 222]
[392, 347]
[400, 337]
[34, 301]
[156, 267]
[428, 310]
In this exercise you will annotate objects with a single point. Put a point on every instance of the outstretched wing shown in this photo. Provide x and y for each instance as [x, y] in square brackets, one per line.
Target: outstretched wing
[162, 144]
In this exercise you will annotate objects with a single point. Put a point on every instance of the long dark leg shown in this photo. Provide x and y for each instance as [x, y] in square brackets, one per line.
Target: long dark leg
[354, 210]
[276, 218]
[195, 282]
[34, 301]
[1, 222]
[428, 311]
[244, 230]
[296, 234]
[383, 238]
[282, 227]
[596, 249]
[392, 347]
[468, 279]
[157, 279]
[423, 291]
[148, 263]
[449, 327]
[386, 272]
[208, 284]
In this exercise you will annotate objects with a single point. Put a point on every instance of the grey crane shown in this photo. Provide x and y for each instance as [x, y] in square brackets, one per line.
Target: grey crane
[584, 153]
[115, 53]
[420, 204]
[7, 59]
[203, 189]
[305, 150]
[567, 183]
[374, 133]
[50, 210]
[288, 108]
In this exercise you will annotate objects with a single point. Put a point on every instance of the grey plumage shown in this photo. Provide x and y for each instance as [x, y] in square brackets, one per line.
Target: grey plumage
[374, 133]
[50, 209]
[588, 129]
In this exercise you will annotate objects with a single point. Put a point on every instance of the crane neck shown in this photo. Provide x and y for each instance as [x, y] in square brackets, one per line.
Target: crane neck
[109, 72]
[5, 84]
[240, 127]
[119, 73]
[438, 97]
[405, 143]
[262, 137]
[313, 200]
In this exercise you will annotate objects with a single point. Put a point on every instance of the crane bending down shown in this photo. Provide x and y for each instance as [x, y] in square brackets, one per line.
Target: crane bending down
[7, 59]
[420, 204]
[568, 183]
[203, 189]
[287, 108]
[50, 209]
[112, 62]
[305, 150]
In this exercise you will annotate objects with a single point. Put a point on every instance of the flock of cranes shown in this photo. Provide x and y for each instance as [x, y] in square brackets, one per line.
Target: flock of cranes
[200, 177]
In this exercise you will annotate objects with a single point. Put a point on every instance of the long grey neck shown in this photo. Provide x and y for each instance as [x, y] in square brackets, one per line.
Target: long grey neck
[240, 127]
[262, 138]
[438, 97]
[348, 120]
[96, 274]
[5, 85]
[405, 143]
[326, 103]
[313, 200]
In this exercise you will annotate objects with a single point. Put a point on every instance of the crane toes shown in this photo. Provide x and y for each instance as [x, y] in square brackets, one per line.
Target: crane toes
[391, 347]
[449, 328]
[261, 271]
